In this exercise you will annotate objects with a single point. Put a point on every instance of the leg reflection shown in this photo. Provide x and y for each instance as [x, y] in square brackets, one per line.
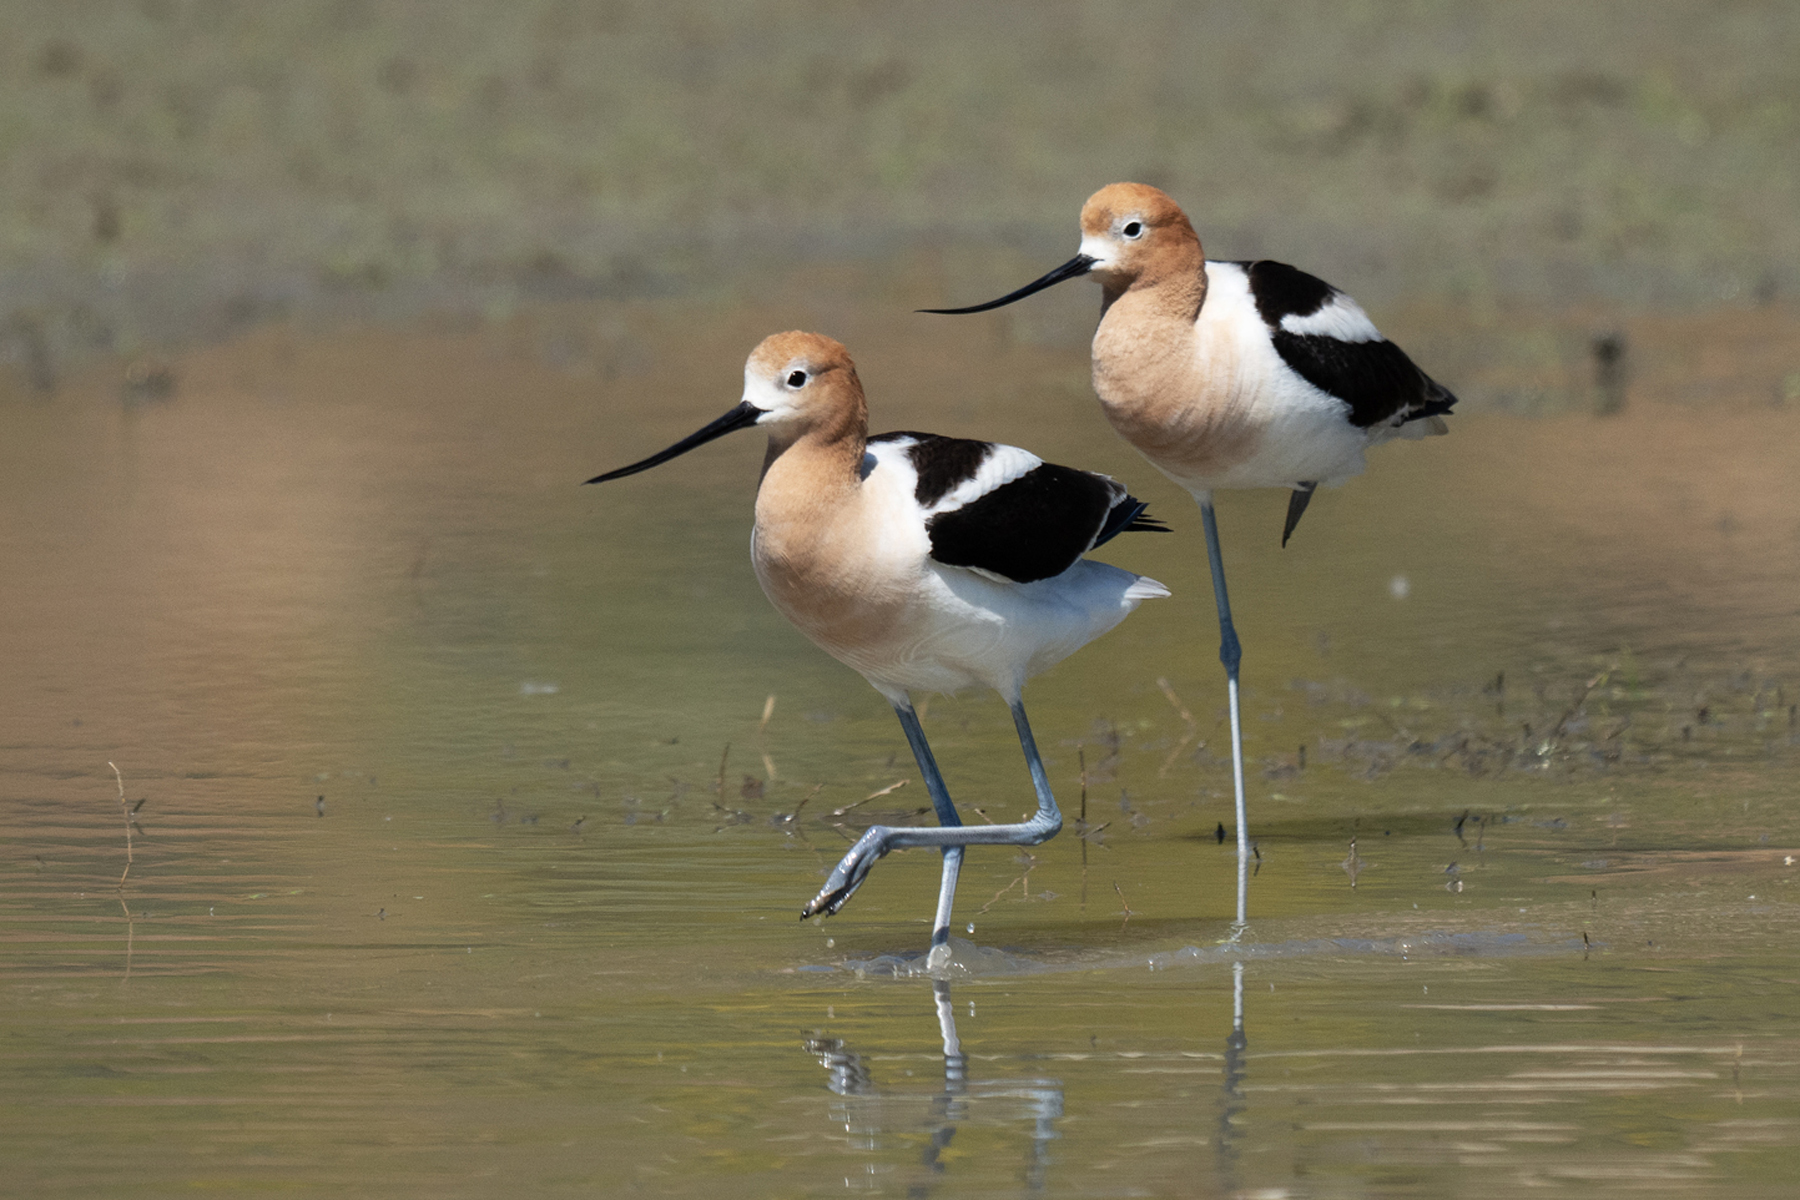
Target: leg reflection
[1231, 1098]
[950, 1107]
[877, 1117]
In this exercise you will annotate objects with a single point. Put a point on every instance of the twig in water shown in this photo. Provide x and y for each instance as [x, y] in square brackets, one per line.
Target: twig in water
[130, 924]
[997, 895]
[1125, 902]
[1022, 882]
[889, 789]
[1081, 824]
[1192, 730]
[795, 815]
[1081, 761]
[129, 813]
[768, 711]
[1556, 730]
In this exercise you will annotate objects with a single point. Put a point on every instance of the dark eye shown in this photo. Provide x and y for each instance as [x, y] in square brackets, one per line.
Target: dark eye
[796, 379]
[1133, 229]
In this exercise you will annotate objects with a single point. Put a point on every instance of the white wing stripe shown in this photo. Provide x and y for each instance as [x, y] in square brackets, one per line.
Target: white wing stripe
[1340, 317]
[1002, 465]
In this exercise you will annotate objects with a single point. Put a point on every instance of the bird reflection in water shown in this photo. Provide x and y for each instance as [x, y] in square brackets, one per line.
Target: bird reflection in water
[871, 1112]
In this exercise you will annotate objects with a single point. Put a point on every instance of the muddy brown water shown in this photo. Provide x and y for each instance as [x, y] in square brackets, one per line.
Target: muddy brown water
[463, 860]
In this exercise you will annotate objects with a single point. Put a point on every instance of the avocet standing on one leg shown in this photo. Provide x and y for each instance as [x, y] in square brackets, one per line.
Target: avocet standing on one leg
[1233, 375]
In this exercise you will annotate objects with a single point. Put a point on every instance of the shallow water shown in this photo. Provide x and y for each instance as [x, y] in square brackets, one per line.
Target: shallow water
[470, 845]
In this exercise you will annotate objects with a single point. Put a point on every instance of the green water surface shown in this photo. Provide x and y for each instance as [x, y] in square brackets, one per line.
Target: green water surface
[471, 843]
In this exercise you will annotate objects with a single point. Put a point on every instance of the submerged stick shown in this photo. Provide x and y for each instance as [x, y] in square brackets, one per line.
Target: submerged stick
[1025, 891]
[1193, 726]
[795, 815]
[761, 728]
[889, 789]
[1081, 759]
[130, 924]
[120, 780]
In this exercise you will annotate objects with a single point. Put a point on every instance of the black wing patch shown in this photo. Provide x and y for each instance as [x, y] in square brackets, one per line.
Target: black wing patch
[1284, 291]
[1036, 526]
[1374, 377]
[942, 463]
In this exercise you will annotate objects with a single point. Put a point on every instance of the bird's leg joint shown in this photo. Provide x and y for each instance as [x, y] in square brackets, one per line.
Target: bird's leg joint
[1231, 653]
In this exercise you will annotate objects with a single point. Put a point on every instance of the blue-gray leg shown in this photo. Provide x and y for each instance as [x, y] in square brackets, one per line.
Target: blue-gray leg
[950, 836]
[934, 779]
[1231, 654]
[946, 814]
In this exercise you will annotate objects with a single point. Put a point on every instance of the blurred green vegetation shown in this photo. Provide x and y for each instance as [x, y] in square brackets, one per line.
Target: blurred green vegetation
[175, 170]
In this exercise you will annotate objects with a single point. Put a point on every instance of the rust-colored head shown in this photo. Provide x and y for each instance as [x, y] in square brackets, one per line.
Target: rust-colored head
[1117, 203]
[814, 353]
[803, 379]
[1133, 231]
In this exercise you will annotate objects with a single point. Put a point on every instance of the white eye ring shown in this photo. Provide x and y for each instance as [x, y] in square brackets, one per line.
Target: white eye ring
[796, 379]
[1132, 229]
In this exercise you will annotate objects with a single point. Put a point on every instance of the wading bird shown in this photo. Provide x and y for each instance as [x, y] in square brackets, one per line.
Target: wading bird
[927, 564]
[1233, 375]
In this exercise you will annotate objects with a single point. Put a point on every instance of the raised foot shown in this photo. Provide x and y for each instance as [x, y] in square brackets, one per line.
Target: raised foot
[848, 875]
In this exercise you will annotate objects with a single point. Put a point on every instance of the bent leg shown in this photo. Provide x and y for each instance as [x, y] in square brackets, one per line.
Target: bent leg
[877, 840]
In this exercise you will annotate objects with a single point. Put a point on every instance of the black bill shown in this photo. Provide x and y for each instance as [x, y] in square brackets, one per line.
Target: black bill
[745, 414]
[1081, 264]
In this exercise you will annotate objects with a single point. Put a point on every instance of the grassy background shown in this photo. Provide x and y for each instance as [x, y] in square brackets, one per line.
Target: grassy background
[177, 170]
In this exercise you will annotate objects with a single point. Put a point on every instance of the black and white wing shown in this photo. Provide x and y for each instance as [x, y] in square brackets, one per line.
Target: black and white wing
[1325, 337]
[1007, 512]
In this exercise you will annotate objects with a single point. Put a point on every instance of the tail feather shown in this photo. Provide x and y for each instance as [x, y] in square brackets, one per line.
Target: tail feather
[1129, 515]
[1145, 588]
[1439, 400]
